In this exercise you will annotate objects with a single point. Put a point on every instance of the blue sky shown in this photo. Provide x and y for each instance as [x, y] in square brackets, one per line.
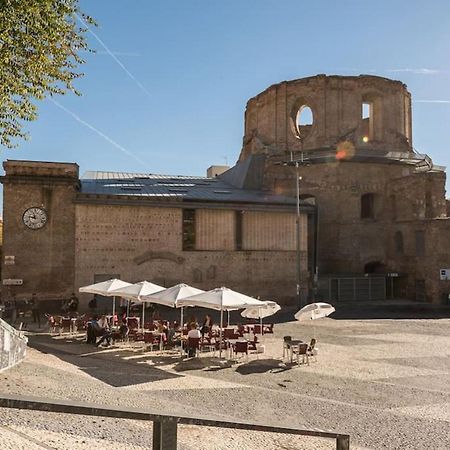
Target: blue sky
[193, 64]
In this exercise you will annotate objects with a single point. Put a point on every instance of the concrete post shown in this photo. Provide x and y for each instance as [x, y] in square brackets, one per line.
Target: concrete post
[165, 435]
[343, 443]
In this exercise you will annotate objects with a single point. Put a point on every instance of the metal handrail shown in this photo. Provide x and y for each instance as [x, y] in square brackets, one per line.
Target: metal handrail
[12, 330]
[164, 426]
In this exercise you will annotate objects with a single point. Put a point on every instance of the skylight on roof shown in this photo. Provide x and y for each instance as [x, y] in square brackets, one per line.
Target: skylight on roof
[175, 184]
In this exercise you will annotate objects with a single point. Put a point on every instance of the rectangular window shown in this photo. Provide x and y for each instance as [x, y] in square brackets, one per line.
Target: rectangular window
[367, 206]
[238, 231]
[420, 243]
[188, 229]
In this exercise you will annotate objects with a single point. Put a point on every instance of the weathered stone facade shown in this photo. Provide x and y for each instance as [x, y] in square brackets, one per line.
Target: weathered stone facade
[92, 237]
[43, 259]
[361, 169]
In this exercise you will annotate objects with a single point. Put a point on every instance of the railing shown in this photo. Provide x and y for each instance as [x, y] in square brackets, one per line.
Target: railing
[164, 426]
[13, 345]
[19, 333]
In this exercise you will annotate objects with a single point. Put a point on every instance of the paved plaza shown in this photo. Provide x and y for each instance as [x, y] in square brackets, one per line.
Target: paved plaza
[384, 382]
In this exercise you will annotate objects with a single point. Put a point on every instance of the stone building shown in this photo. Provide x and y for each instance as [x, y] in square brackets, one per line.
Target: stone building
[373, 214]
[381, 205]
[62, 232]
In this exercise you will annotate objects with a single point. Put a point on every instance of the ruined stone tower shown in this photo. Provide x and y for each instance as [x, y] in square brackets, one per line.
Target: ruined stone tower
[378, 199]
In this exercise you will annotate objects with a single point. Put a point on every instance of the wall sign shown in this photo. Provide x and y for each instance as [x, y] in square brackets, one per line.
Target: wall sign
[12, 282]
[444, 274]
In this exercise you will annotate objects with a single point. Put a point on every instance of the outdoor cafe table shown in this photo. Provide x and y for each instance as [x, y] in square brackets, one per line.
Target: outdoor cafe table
[232, 342]
[293, 343]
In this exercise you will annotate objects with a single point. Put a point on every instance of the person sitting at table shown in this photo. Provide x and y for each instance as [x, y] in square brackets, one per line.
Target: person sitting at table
[192, 321]
[207, 325]
[193, 333]
[102, 330]
[122, 333]
[161, 328]
[103, 322]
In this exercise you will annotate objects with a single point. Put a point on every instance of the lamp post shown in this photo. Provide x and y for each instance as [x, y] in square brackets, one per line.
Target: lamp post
[297, 233]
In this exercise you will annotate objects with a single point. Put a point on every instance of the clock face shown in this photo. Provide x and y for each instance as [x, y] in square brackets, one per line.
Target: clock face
[34, 218]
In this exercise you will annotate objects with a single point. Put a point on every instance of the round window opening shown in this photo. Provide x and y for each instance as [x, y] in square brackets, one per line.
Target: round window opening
[304, 121]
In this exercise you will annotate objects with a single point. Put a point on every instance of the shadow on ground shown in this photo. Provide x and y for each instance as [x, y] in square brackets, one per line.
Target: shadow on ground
[109, 366]
[263, 366]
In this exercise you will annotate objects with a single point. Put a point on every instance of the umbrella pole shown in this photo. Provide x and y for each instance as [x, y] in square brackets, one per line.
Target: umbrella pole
[220, 334]
[143, 315]
[181, 329]
[114, 309]
[228, 318]
[128, 307]
[260, 324]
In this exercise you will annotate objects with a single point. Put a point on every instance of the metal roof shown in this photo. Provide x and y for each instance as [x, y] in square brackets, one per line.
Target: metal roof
[188, 188]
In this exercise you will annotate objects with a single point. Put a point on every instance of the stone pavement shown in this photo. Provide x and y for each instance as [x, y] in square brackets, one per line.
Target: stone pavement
[385, 382]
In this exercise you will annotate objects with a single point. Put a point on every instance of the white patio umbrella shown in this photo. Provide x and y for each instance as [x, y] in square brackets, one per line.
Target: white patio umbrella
[137, 291]
[221, 299]
[260, 312]
[106, 289]
[314, 311]
[171, 295]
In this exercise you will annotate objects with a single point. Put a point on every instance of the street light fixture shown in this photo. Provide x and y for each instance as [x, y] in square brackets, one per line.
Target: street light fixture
[297, 164]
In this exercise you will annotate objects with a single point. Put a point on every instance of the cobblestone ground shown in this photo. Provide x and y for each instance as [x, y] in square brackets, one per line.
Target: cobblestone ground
[384, 382]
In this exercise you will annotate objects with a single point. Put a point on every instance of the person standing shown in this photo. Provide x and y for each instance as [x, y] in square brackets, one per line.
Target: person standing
[73, 304]
[35, 309]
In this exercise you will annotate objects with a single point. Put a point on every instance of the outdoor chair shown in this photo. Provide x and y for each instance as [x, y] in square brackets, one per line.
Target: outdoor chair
[137, 336]
[257, 329]
[193, 346]
[205, 343]
[66, 325]
[150, 339]
[301, 350]
[53, 322]
[312, 350]
[150, 326]
[230, 333]
[268, 328]
[220, 346]
[252, 344]
[286, 344]
[241, 347]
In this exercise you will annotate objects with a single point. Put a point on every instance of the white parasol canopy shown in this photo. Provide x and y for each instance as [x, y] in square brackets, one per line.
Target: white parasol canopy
[106, 289]
[269, 309]
[260, 312]
[221, 299]
[136, 291]
[314, 311]
[170, 296]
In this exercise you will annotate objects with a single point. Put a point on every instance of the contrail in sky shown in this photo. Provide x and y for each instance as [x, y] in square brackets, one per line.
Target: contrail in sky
[113, 56]
[97, 131]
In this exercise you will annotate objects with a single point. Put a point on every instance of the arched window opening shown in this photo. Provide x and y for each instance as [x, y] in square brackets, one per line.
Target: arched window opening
[304, 121]
[368, 206]
[367, 120]
[398, 241]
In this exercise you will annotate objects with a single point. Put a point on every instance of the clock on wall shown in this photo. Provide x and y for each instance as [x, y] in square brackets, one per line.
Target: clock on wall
[34, 217]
